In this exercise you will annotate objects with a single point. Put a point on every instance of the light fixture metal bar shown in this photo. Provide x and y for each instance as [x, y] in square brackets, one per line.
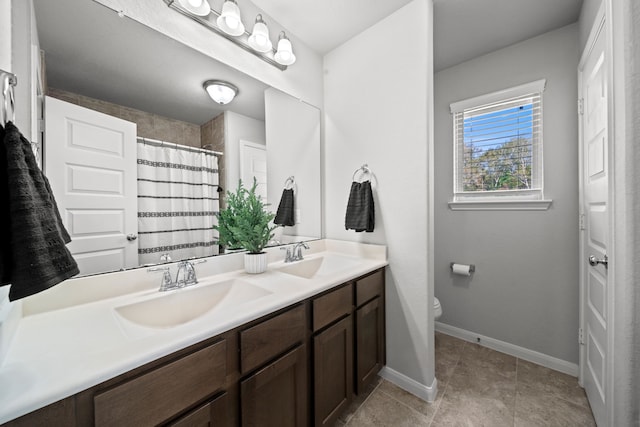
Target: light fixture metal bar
[236, 40]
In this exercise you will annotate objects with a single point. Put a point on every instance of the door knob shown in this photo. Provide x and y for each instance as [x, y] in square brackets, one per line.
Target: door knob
[131, 237]
[593, 261]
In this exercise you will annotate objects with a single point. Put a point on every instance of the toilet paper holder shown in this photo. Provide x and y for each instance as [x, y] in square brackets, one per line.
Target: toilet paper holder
[472, 267]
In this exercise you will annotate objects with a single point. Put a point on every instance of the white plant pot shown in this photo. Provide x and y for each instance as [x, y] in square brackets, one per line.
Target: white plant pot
[255, 263]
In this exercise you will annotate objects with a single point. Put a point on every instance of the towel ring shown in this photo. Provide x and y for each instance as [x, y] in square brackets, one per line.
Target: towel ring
[8, 82]
[364, 169]
[289, 183]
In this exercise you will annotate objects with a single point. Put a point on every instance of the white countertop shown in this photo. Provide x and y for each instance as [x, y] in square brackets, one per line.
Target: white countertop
[59, 350]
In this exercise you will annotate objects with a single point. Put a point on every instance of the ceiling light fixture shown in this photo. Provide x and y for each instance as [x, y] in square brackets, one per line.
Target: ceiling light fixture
[220, 91]
[229, 20]
[259, 38]
[197, 7]
[284, 55]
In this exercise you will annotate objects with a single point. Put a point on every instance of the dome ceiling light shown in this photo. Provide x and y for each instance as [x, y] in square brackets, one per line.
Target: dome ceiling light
[220, 91]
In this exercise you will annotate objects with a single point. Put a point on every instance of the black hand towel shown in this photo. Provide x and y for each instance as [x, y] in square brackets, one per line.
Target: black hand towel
[36, 235]
[284, 214]
[5, 219]
[360, 208]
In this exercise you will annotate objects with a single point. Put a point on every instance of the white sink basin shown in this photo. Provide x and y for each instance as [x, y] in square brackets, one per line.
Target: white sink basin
[173, 308]
[320, 266]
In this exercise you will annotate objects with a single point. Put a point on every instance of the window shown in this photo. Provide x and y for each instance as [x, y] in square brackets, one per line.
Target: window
[498, 146]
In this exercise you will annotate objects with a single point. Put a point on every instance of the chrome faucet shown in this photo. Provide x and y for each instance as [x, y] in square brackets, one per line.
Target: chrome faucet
[287, 256]
[297, 251]
[294, 253]
[185, 276]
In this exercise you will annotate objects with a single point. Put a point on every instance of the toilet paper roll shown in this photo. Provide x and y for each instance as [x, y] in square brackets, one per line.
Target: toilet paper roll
[461, 269]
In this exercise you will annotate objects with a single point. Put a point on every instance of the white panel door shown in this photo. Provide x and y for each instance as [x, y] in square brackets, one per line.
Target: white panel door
[595, 238]
[253, 163]
[90, 159]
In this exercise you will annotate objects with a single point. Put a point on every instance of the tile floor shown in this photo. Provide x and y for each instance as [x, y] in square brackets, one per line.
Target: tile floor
[477, 387]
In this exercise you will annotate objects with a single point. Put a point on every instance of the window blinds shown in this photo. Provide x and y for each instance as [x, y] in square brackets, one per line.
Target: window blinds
[498, 145]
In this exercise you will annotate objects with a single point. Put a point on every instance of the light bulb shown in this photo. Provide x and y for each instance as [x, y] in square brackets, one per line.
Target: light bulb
[284, 55]
[196, 7]
[261, 40]
[231, 22]
[259, 37]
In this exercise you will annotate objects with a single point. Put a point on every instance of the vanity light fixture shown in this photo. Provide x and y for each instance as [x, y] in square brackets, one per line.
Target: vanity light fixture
[220, 91]
[284, 55]
[228, 24]
[259, 38]
[197, 7]
[229, 20]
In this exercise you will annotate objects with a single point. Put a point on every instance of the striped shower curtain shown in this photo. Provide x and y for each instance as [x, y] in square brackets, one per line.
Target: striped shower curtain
[177, 203]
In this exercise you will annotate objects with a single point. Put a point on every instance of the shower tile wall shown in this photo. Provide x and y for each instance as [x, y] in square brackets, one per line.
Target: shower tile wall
[212, 134]
[149, 125]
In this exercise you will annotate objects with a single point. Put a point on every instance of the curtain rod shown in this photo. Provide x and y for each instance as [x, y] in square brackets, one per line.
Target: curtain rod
[159, 143]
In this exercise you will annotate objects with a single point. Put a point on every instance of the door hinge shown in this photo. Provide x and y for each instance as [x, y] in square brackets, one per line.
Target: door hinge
[580, 336]
[581, 106]
[40, 125]
[581, 225]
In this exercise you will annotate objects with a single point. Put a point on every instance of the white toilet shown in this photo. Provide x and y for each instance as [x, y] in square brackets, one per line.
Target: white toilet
[437, 309]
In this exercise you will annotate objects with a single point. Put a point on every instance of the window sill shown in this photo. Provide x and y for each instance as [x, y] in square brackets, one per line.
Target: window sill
[500, 205]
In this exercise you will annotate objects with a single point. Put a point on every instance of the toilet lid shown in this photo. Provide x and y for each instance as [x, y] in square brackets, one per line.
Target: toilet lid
[436, 302]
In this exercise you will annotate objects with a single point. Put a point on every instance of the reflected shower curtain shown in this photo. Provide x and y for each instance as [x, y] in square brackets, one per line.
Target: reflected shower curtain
[177, 203]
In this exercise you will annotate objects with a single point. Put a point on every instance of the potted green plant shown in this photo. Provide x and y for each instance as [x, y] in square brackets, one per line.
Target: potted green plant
[245, 224]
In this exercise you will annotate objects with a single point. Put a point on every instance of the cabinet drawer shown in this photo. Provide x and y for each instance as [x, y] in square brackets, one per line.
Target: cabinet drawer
[264, 341]
[332, 306]
[160, 394]
[369, 287]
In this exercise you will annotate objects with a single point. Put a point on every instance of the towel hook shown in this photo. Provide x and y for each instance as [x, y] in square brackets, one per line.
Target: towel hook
[364, 169]
[289, 183]
[9, 80]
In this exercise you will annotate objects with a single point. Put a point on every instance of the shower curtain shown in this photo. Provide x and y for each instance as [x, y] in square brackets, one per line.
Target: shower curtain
[177, 203]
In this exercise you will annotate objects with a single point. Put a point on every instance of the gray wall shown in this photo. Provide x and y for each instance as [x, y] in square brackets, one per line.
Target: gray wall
[587, 17]
[525, 289]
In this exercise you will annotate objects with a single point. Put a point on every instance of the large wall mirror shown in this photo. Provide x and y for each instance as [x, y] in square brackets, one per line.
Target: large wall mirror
[130, 136]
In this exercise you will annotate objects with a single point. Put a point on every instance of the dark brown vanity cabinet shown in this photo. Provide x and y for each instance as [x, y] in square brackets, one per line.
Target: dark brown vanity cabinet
[332, 355]
[277, 394]
[296, 367]
[370, 328]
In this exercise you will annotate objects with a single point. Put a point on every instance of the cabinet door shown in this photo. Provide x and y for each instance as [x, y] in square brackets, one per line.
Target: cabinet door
[369, 342]
[277, 395]
[212, 414]
[333, 371]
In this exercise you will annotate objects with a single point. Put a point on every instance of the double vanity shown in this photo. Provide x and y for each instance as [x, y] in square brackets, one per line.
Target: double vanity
[289, 347]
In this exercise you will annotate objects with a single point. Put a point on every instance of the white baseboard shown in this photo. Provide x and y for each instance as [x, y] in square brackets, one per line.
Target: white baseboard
[511, 349]
[424, 392]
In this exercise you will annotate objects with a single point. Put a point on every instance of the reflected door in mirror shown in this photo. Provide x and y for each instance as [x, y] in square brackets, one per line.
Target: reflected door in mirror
[90, 160]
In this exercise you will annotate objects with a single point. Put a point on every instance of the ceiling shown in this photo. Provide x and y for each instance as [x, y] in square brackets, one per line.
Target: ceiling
[91, 51]
[324, 25]
[463, 29]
